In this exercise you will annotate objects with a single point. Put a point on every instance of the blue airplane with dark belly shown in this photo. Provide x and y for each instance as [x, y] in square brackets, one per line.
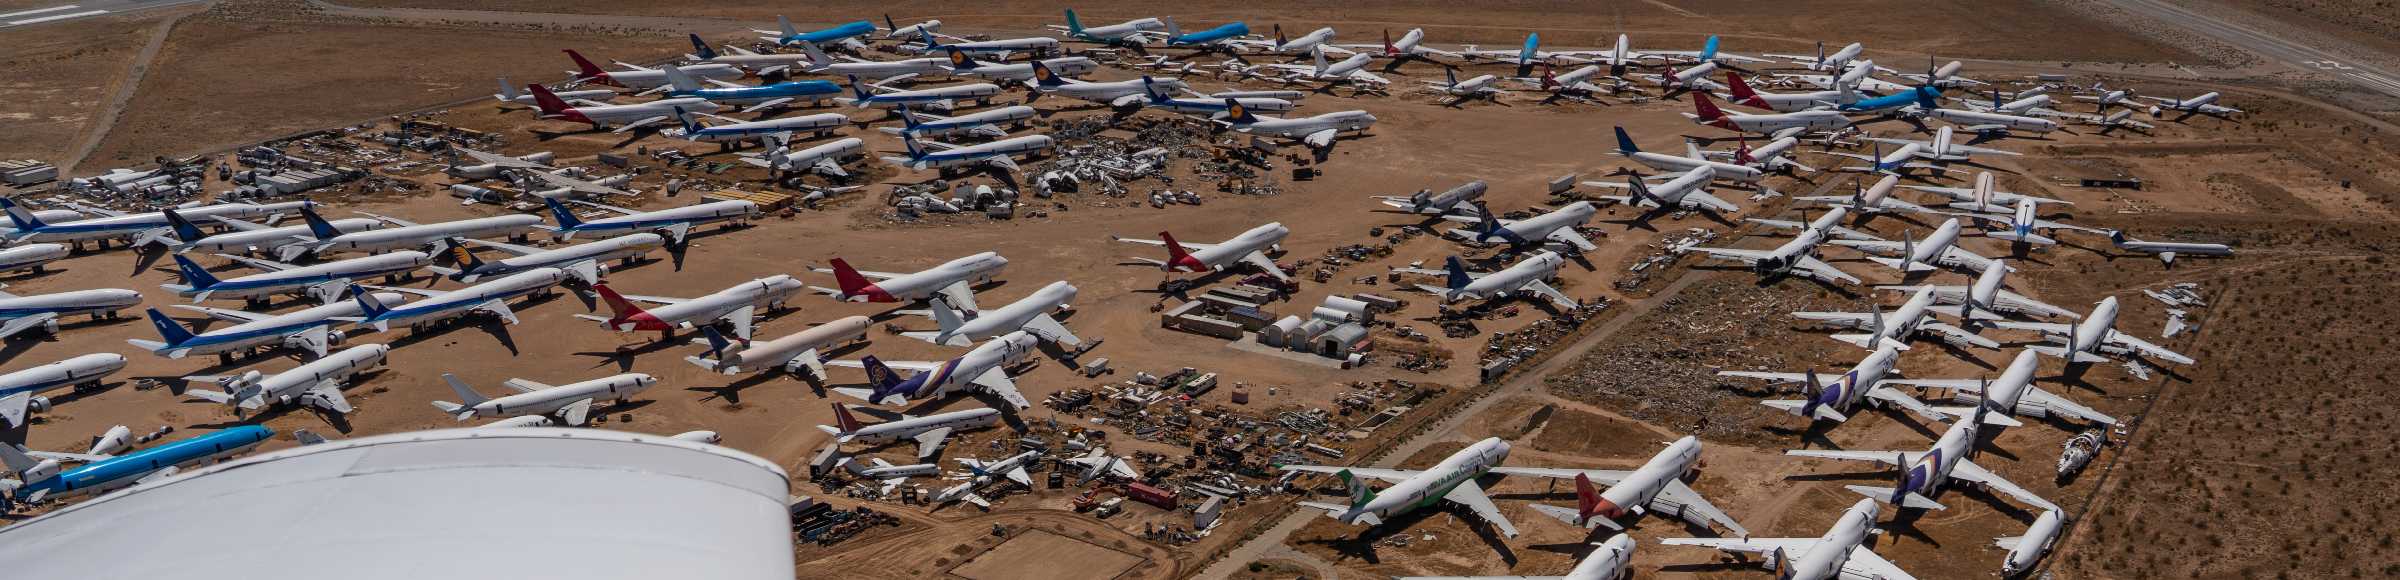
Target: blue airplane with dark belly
[1892, 101]
[43, 479]
[1213, 36]
[791, 35]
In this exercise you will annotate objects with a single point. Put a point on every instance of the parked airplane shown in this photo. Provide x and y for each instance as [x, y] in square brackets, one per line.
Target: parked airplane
[820, 63]
[586, 261]
[21, 390]
[759, 98]
[1013, 468]
[2096, 335]
[407, 235]
[1124, 94]
[1741, 93]
[794, 353]
[1317, 132]
[136, 228]
[1610, 562]
[1898, 104]
[1655, 487]
[1527, 277]
[1839, 554]
[490, 297]
[1839, 60]
[1923, 473]
[1214, 106]
[316, 384]
[1982, 197]
[2026, 550]
[251, 237]
[1939, 248]
[533, 168]
[622, 117]
[985, 124]
[954, 280]
[928, 432]
[571, 402]
[1986, 299]
[33, 257]
[1315, 40]
[892, 476]
[736, 305]
[509, 94]
[1868, 200]
[1425, 202]
[1708, 114]
[999, 49]
[946, 157]
[1945, 75]
[1794, 258]
[1452, 480]
[2167, 251]
[1030, 314]
[1214, 38]
[1943, 147]
[309, 329]
[636, 77]
[1128, 33]
[894, 31]
[1686, 192]
[674, 223]
[1836, 401]
[1250, 248]
[2205, 104]
[2022, 225]
[1459, 91]
[787, 35]
[2013, 394]
[982, 369]
[1857, 76]
[323, 281]
[2104, 97]
[823, 158]
[1678, 81]
[46, 479]
[1907, 322]
[1073, 66]
[1410, 46]
[1676, 165]
[1575, 83]
[1350, 71]
[1554, 227]
[1098, 463]
[761, 64]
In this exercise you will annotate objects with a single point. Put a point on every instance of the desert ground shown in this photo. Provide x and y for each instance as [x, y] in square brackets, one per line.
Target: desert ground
[2260, 460]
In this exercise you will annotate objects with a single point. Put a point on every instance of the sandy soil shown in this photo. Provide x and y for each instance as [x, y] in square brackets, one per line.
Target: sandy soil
[59, 74]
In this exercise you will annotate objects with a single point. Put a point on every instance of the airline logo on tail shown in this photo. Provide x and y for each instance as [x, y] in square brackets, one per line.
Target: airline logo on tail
[1179, 259]
[854, 285]
[590, 73]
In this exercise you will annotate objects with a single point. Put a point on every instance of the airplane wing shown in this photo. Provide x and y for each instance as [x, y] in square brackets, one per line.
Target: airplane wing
[768, 104]
[1878, 457]
[66, 456]
[640, 123]
[1899, 399]
[1471, 495]
[13, 409]
[868, 274]
[1264, 264]
[2041, 327]
[1018, 475]
[1743, 256]
[1680, 495]
[1876, 246]
[1598, 476]
[1793, 547]
[575, 413]
[1863, 563]
[498, 308]
[741, 319]
[1703, 199]
[240, 225]
[1320, 139]
[2144, 347]
[1854, 319]
[1956, 335]
[906, 365]
[25, 323]
[930, 442]
[1774, 378]
[2056, 405]
[997, 382]
[225, 314]
[1556, 298]
[586, 270]
[1569, 236]
[262, 264]
[1387, 475]
[316, 339]
[501, 160]
[2021, 303]
[1969, 471]
[328, 393]
[1049, 329]
[958, 294]
[582, 185]
[655, 299]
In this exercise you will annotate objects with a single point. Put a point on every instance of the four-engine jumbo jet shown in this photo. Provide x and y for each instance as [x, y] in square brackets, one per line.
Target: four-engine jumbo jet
[1794, 258]
[954, 280]
[1835, 401]
[1923, 473]
[2086, 341]
[737, 305]
[1250, 248]
[983, 369]
[1554, 227]
[2012, 394]
[1911, 320]
[1655, 487]
[1839, 554]
[1452, 480]
[1528, 277]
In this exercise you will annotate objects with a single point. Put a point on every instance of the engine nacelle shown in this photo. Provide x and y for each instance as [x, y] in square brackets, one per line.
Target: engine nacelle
[38, 404]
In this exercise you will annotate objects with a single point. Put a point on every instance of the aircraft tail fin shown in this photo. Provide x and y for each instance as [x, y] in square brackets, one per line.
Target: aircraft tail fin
[22, 218]
[367, 303]
[699, 49]
[1360, 494]
[717, 344]
[1705, 107]
[193, 275]
[1742, 93]
[1625, 144]
[676, 78]
[617, 304]
[585, 70]
[466, 393]
[172, 331]
[1235, 112]
[317, 226]
[843, 420]
[1043, 76]
[508, 92]
[566, 219]
[183, 228]
[944, 315]
[546, 101]
[1175, 251]
[1074, 25]
[958, 58]
[1587, 498]
[885, 382]
[1458, 274]
[850, 281]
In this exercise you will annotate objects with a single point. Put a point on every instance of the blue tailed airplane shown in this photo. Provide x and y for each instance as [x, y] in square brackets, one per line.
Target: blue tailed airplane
[42, 479]
[791, 35]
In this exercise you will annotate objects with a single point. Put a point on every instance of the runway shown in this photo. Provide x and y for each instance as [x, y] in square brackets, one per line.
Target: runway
[66, 12]
[2290, 53]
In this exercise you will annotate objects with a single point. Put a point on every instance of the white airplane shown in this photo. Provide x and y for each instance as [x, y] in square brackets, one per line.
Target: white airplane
[929, 432]
[1857, 76]
[1779, 155]
[1939, 248]
[1898, 161]
[980, 473]
[2103, 97]
[2205, 104]
[736, 305]
[1350, 71]
[1213, 105]
[1527, 277]
[622, 117]
[533, 168]
[2026, 550]
[309, 329]
[1575, 83]
[1679, 81]
[1554, 227]
[1317, 132]
[1655, 487]
[1923, 473]
[1124, 94]
[1988, 123]
[2012, 394]
[1072, 66]
[1693, 160]
[1707, 113]
[1836, 401]
[1452, 480]
[2096, 335]
[794, 353]
[1410, 46]
[983, 369]
[1987, 299]
[1825, 62]
[639, 77]
[731, 132]
[886, 71]
[2167, 251]
[2022, 224]
[1907, 322]
[823, 158]
[675, 223]
[1687, 192]
[985, 124]
[509, 94]
[571, 402]
[946, 157]
[138, 228]
[939, 98]
[323, 281]
[1609, 562]
[894, 31]
[1840, 554]
[1982, 197]
[21, 390]
[407, 235]
[35, 257]
[1426, 202]
[1250, 248]
[315, 384]
[1131, 32]
[1030, 314]
[1000, 49]
[1460, 91]
[249, 237]
[954, 280]
[489, 297]
[892, 476]
[1794, 258]
[1943, 147]
[2114, 121]
[735, 56]
[1868, 199]
[1315, 41]
[587, 261]
[1098, 463]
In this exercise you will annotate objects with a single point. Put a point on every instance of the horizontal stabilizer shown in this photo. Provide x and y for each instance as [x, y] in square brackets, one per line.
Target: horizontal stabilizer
[1884, 494]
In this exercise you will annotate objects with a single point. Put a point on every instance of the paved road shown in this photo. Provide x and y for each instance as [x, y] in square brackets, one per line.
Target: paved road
[2293, 54]
[85, 9]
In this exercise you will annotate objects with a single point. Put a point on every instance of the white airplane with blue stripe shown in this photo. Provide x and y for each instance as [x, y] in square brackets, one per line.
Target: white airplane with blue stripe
[23, 313]
[138, 228]
[309, 329]
[21, 391]
[734, 131]
[323, 281]
[674, 223]
[489, 297]
[998, 154]
[1556, 227]
[985, 124]
[943, 98]
[316, 384]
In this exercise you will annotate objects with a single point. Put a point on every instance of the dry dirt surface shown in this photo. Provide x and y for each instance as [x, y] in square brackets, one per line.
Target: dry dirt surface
[58, 76]
[1046, 555]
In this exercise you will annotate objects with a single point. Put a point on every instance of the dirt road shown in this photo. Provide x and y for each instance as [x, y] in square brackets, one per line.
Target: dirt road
[2288, 52]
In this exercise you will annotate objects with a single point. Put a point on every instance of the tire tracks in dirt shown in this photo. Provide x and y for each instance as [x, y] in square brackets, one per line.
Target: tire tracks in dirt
[127, 87]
